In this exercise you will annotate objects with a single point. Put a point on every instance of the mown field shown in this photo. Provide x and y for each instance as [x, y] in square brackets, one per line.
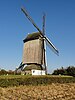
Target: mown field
[54, 91]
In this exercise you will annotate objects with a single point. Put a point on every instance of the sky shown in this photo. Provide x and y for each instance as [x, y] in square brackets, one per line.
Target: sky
[60, 29]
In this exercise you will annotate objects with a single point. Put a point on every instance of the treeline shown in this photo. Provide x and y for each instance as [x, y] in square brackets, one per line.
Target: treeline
[62, 71]
[4, 72]
[65, 71]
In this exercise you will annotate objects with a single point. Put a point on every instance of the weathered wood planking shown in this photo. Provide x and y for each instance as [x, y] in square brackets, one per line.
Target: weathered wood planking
[32, 51]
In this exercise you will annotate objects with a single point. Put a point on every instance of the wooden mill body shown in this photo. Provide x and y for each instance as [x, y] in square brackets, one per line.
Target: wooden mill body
[33, 51]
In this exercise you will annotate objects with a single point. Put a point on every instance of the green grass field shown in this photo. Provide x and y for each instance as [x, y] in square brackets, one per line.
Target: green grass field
[16, 80]
[25, 76]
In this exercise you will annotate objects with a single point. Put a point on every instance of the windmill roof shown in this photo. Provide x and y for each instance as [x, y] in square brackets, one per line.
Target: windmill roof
[32, 36]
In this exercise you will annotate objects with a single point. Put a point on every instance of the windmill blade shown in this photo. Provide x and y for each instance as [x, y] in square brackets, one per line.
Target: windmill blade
[43, 28]
[51, 46]
[49, 43]
[30, 19]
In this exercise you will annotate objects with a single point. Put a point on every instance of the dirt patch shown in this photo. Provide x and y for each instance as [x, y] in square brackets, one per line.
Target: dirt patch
[49, 92]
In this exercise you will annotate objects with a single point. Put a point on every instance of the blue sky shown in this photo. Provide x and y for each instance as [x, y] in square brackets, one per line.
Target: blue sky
[60, 28]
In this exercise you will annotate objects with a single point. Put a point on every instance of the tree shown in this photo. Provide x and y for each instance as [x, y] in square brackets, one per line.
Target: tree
[65, 71]
[61, 71]
[3, 72]
[71, 70]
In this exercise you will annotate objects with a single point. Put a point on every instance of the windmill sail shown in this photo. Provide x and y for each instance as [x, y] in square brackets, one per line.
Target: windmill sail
[52, 47]
[43, 28]
[31, 20]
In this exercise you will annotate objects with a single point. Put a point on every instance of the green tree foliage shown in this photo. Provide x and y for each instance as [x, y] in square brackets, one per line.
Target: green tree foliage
[4, 72]
[65, 71]
[71, 70]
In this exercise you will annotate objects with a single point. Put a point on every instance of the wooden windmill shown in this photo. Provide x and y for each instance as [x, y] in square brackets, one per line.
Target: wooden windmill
[34, 51]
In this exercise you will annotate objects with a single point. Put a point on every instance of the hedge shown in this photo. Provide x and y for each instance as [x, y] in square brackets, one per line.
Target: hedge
[37, 80]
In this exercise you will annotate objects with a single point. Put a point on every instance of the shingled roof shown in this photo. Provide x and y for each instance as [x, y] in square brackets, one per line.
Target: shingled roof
[32, 36]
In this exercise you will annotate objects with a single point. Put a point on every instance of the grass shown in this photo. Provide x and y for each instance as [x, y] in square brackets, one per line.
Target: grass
[26, 76]
[16, 80]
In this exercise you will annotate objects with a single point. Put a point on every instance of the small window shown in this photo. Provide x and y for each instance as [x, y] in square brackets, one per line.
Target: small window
[33, 71]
